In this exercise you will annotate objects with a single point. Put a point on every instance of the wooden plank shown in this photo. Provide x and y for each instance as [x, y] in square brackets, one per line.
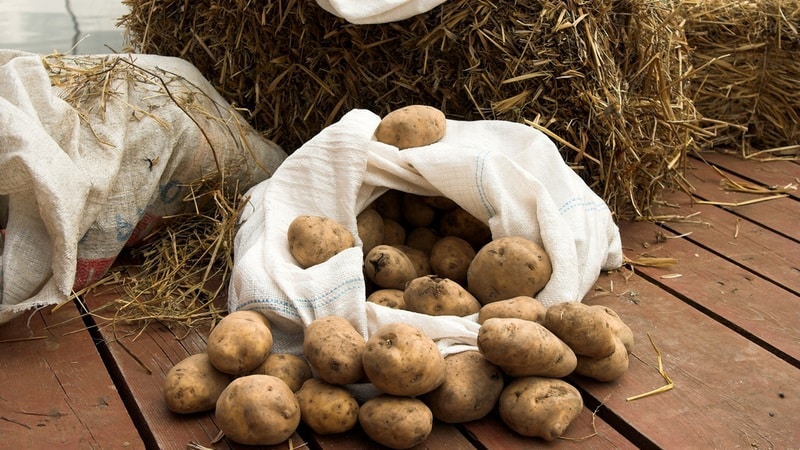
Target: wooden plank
[443, 436]
[763, 252]
[767, 173]
[56, 391]
[780, 215]
[728, 391]
[735, 295]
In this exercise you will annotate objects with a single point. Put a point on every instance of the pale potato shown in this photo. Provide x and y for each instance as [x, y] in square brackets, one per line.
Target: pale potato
[508, 267]
[315, 239]
[521, 307]
[437, 296]
[240, 342]
[390, 298]
[333, 347]
[388, 267]
[292, 369]
[194, 385]
[411, 126]
[451, 257]
[396, 422]
[539, 407]
[327, 408]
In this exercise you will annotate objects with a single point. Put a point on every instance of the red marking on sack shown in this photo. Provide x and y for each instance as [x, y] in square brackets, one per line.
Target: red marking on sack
[88, 271]
[147, 224]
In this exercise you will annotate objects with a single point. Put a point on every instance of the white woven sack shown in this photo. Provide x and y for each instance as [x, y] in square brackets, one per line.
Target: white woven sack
[506, 174]
[79, 184]
[377, 11]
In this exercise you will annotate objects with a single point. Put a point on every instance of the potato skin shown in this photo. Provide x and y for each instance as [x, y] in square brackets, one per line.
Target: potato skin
[460, 223]
[524, 348]
[370, 229]
[605, 369]
[240, 342]
[437, 296]
[390, 298]
[470, 390]
[521, 307]
[419, 259]
[540, 407]
[194, 385]
[422, 238]
[396, 422]
[257, 410]
[400, 360]
[451, 257]
[585, 329]
[315, 239]
[327, 408]
[293, 370]
[411, 126]
[416, 212]
[393, 232]
[388, 267]
[333, 347]
[508, 267]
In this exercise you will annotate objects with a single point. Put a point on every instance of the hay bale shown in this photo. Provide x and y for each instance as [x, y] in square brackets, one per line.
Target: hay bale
[605, 79]
[747, 82]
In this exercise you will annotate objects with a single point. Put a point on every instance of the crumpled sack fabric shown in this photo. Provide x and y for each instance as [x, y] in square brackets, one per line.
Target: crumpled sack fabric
[95, 152]
[377, 11]
[506, 174]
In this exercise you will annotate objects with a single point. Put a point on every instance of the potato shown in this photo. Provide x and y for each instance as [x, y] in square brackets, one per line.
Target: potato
[396, 422]
[370, 229]
[400, 360]
[422, 238]
[333, 347]
[194, 385]
[471, 388]
[240, 342]
[411, 126]
[390, 205]
[437, 296]
[620, 328]
[508, 267]
[393, 232]
[451, 257]
[521, 307]
[440, 202]
[540, 407]
[605, 369]
[420, 259]
[587, 330]
[257, 410]
[315, 239]
[292, 369]
[391, 298]
[327, 408]
[416, 212]
[524, 348]
[460, 223]
[388, 267]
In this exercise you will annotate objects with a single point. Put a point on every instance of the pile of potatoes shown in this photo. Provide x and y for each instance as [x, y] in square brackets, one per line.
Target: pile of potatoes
[430, 256]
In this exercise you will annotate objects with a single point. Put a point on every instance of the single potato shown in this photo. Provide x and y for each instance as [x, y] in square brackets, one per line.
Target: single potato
[315, 239]
[292, 369]
[333, 347]
[327, 408]
[508, 267]
[257, 410]
[370, 229]
[396, 422]
[460, 223]
[451, 257]
[194, 385]
[240, 342]
[539, 407]
[411, 126]
[401, 360]
[390, 298]
[588, 330]
[521, 307]
[437, 296]
[388, 267]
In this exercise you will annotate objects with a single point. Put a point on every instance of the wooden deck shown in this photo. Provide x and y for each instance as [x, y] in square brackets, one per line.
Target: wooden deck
[726, 319]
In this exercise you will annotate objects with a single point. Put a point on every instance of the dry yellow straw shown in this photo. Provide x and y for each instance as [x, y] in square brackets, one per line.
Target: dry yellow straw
[670, 384]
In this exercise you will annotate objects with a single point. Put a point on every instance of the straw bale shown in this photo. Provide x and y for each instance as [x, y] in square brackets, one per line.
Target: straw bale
[605, 78]
[747, 78]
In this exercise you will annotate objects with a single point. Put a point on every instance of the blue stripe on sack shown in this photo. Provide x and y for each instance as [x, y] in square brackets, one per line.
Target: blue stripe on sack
[587, 205]
[289, 308]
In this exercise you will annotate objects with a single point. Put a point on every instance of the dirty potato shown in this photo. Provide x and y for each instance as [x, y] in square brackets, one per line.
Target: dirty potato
[315, 239]
[194, 385]
[437, 296]
[508, 267]
[396, 422]
[388, 267]
[411, 126]
[333, 347]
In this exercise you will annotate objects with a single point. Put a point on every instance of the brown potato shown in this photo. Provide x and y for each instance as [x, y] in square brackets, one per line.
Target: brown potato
[416, 212]
[508, 267]
[540, 407]
[471, 388]
[390, 205]
[422, 238]
[460, 223]
[401, 360]
[370, 229]
[257, 410]
[411, 126]
[420, 259]
[388, 267]
[440, 202]
[522, 307]
[393, 232]
[315, 239]
[396, 422]
[585, 329]
[327, 408]
[240, 342]
[620, 328]
[333, 347]
[194, 385]
[437, 296]
[524, 348]
[451, 257]
[605, 369]
[391, 298]
[292, 369]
